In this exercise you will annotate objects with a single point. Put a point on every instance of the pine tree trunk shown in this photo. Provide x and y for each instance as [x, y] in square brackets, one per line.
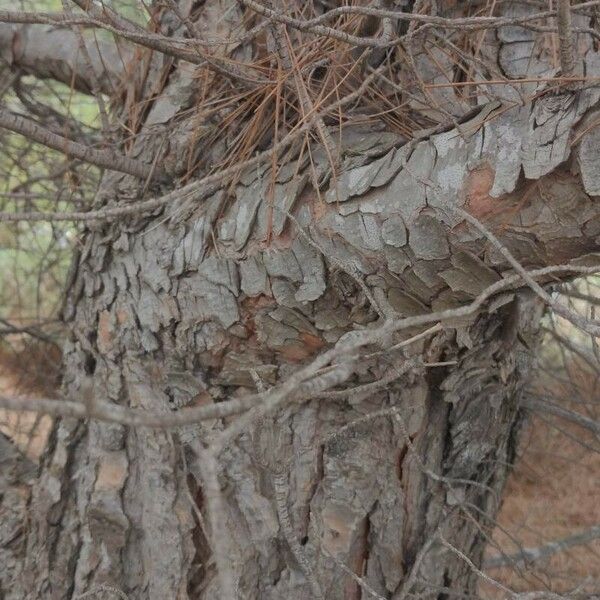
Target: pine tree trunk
[368, 483]
[170, 312]
[218, 297]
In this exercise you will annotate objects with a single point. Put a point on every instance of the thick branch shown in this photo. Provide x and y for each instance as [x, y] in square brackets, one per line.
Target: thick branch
[177, 47]
[51, 52]
[102, 158]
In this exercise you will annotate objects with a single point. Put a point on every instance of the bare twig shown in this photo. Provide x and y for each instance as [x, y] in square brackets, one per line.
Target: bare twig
[359, 580]
[544, 407]
[217, 516]
[101, 158]
[104, 589]
[545, 595]
[588, 325]
[465, 24]
[280, 487]
[531, 555]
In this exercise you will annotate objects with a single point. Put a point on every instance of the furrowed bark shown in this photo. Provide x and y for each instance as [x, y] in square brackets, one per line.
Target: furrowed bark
[167, 323]
[202, 302]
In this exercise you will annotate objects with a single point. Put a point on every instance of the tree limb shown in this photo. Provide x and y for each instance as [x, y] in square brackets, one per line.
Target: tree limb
[176, 47]
[51, 52]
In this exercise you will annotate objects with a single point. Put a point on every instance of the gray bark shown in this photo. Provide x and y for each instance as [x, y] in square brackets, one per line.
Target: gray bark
[52, 52]
[181, 307]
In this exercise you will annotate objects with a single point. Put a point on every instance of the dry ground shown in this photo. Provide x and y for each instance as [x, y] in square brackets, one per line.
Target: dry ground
[553, 492]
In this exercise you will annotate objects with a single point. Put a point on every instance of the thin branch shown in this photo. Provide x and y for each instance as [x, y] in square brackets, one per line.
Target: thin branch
[544, 407]
[102, 588]
[280, 489]
[545, 595]
[587, 325]
[101, 158]
[181, 48]
[465, 24]
[359, 580]
[414, 570]
[33, 332]
[297, 386]
[530, 555]
[200, 188]
[217, 516]
[475, 570]
[565, 38]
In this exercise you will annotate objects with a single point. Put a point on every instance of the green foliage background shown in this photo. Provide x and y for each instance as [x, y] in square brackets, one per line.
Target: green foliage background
[34, 257]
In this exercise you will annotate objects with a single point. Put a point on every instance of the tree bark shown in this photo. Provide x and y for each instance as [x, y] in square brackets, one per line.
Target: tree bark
[341, 496]
[161, 320]
[51, 52]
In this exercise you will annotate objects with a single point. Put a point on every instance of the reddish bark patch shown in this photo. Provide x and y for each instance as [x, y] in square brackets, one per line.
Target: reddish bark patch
[248, 309]
[112, 472]
[122, 316]
[318, 208]
[286, 238]
[307, 346]
[479, 184]
[202, 399]
[312, 342]
[105, 331]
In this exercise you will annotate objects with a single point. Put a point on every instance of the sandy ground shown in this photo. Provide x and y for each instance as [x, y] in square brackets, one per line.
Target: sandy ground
[553, 492]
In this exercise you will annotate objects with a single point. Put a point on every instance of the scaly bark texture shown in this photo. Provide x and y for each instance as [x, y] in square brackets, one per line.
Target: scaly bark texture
[205, 301]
